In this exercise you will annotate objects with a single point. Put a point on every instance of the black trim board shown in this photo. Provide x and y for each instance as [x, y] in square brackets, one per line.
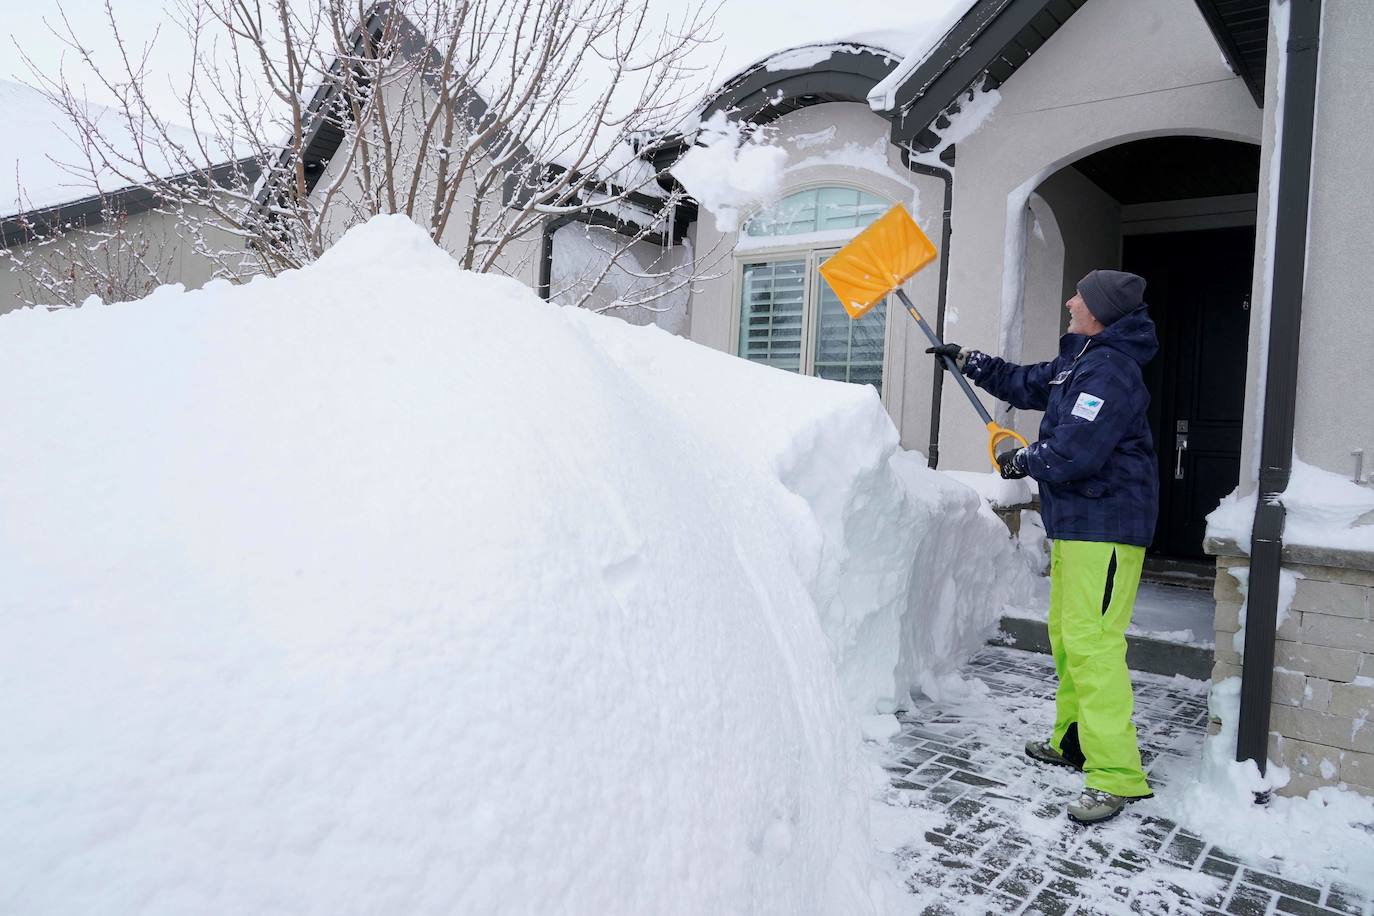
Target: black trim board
[759, 94]
[1241, 28]
[992, 40]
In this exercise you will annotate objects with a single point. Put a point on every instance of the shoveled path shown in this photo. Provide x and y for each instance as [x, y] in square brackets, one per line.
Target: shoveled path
[998, 841]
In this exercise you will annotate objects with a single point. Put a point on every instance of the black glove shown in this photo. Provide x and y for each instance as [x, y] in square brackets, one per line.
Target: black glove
[953, 351]
[1012, 464]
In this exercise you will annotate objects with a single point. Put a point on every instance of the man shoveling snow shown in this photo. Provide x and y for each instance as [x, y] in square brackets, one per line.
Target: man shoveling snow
[1095, 464]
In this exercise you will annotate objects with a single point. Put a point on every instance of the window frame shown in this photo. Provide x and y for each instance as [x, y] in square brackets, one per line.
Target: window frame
[813, 253]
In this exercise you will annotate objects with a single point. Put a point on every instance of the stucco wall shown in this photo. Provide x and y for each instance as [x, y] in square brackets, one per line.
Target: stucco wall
[845, 144]
[1118, 70]
[183, 264]
[659, 278]
[1335, 403]
[519, 259]
[1090, 220]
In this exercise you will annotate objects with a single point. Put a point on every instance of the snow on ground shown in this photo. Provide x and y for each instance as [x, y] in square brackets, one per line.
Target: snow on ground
[1175, 614]
[385, 587]
[1328, 834]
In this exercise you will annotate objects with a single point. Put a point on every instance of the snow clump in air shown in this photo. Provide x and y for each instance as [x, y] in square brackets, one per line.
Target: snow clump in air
[381, 586]
[729, 172]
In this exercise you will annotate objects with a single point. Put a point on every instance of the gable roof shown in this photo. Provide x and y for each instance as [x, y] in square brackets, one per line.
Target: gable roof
[995, 37]
[990, 42]
[793, 79]
[324, 135]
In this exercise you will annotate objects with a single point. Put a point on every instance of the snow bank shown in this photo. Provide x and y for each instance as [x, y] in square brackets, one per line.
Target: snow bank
[1323, 510]
[385, 587]
[909, 569]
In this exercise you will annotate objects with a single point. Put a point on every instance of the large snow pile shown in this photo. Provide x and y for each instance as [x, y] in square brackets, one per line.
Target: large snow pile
[385, 587]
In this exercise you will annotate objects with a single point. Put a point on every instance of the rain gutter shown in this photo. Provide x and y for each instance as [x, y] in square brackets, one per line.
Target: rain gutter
[937, 385]
[1299, 92]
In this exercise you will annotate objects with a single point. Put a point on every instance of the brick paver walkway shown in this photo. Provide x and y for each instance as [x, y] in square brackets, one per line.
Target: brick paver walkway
[999, 842]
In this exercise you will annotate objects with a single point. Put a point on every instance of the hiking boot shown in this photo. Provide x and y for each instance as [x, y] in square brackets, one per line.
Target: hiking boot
[1044, 752]
[1095, 806]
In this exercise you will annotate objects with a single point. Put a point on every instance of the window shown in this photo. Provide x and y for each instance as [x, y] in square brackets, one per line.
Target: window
[789, 317]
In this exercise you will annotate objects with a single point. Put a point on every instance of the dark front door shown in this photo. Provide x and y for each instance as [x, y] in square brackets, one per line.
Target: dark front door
[1198, 289]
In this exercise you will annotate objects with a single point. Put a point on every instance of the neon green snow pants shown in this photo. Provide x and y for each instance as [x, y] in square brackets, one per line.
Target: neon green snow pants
[1092, 592]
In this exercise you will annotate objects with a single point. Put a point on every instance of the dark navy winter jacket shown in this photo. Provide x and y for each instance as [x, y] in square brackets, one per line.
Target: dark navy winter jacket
[1095, 460]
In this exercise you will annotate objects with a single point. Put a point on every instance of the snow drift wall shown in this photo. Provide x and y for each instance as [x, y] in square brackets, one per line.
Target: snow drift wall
[385, 587]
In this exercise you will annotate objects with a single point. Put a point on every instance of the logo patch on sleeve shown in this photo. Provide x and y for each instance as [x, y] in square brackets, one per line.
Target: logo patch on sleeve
[1087, 406]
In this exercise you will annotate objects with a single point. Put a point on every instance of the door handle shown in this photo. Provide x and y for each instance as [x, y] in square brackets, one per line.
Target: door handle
[1180, 446]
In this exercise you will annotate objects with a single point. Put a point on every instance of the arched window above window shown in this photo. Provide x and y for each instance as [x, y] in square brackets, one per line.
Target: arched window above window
[817, 210]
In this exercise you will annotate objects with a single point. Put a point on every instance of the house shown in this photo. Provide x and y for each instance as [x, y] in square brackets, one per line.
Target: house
[389, 124]
[1037, 139]
[1041, 138]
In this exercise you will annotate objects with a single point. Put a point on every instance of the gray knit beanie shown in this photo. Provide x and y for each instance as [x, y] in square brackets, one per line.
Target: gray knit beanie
[1111, 294]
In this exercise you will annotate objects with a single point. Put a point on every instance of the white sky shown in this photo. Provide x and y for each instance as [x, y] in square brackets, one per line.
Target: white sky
[749, 30]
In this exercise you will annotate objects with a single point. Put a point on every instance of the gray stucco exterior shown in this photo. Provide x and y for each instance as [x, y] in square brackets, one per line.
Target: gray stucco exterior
[1117, 71]
[841, 144]
[1335, 407]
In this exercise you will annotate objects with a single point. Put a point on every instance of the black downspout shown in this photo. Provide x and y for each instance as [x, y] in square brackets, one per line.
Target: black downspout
[938, 384]
[551, 226]
[1280, 387]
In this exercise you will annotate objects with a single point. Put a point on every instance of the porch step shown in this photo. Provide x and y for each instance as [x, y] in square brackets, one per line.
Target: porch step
[1175, 571]
[1143, 653]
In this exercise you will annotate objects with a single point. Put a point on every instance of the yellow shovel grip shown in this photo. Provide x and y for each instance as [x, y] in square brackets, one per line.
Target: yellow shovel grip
[999, 434]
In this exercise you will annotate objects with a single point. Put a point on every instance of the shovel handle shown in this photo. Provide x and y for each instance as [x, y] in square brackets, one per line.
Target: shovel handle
[949, 363]
[999, 434]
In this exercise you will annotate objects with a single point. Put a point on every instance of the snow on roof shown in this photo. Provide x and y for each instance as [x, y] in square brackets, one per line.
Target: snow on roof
[38, 153]
[362, 619]
[802, 31]
[42, 163]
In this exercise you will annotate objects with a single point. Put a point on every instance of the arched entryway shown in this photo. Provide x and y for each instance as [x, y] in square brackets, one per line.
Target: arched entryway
[1179, 211]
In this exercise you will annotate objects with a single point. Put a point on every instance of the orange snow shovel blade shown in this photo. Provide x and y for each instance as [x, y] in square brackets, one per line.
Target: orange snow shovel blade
[877, 261]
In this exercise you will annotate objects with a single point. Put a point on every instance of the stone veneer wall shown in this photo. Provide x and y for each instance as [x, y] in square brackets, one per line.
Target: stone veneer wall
[1322, 714]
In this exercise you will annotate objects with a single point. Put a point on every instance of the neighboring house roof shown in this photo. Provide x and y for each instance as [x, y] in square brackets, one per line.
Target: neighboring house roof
[93, 210]
[42, 161]
[1241, 28]
[325, 136]
[42, 155]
